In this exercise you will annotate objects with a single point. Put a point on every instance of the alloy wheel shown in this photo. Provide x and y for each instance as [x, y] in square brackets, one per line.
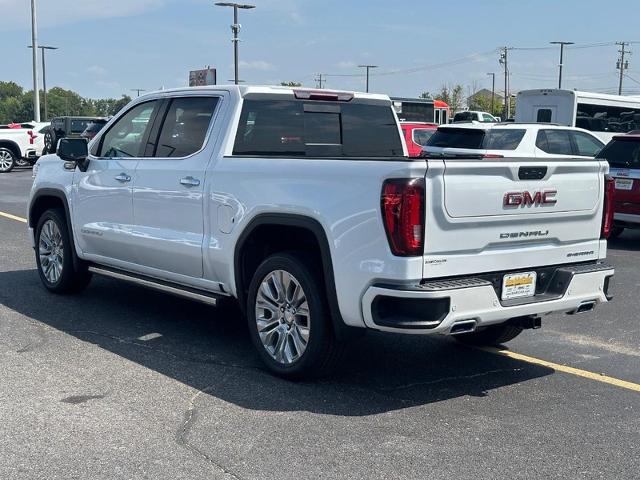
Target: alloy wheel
[282, 317]
[51, 251]
[6, 159]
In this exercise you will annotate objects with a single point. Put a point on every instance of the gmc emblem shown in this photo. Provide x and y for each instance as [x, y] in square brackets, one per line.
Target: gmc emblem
[516, 199]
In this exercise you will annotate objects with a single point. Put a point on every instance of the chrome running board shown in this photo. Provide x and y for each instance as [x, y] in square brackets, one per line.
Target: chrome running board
[155, 284]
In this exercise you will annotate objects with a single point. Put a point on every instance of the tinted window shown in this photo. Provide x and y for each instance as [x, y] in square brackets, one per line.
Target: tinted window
[472, 138]
[463, 117]
[414, 111]
[503, 138]
[185, 126]
[422, 135]
[457, 138]
[78, 126]
[601, 118]
[487, 118]
[124, 138]
[283, 127]
[544, 115]
[622, 153]
[557, 142]
[587, 145]
[95, 127]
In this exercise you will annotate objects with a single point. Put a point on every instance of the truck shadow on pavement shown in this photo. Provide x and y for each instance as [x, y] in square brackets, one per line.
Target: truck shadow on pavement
[210, 350]
[629, 241]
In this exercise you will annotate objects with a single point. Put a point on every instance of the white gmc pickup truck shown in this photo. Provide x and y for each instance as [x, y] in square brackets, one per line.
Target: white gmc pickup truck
[304, 206]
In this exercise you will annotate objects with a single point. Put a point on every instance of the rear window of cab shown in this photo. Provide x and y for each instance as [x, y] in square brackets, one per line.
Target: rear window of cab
[477, 139]
[307, 128]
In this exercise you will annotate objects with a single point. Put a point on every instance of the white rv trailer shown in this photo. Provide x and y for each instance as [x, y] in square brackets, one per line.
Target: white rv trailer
[604, 115]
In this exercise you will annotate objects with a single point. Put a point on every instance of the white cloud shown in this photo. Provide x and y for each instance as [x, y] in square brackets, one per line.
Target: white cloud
[347, 64]
[256, 65]
[16, 14]
[97, 70]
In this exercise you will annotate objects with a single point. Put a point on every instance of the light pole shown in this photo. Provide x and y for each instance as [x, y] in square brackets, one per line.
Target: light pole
[34, 42]
[493, 89]
[367, 67]
[44, 76]
[138, 90]
[235, 28]
[562, 44]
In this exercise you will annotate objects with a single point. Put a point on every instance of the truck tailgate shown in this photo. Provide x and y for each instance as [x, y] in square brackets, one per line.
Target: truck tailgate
[510, 214]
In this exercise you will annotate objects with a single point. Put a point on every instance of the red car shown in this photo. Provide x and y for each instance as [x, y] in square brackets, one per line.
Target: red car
[623, 155]
[416, 135]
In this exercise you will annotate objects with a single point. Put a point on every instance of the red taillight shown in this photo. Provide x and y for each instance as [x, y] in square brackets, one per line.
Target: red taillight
[402, 202]
[608, 209]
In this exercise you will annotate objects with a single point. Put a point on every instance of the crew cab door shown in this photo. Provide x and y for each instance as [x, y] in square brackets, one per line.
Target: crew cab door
[168, 192]
[102, 196]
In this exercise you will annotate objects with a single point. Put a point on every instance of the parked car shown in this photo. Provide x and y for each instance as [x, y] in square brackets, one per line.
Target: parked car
[539, 140]
[623, 155]
[93, 128]
[474, 116]
[20, 144]
[303, 206]
[416, 135]
[65, 127]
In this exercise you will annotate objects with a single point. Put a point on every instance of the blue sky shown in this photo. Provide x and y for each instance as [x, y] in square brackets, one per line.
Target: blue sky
[108, 47]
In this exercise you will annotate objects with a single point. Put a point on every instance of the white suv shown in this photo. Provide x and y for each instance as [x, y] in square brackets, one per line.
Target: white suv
[540, 140]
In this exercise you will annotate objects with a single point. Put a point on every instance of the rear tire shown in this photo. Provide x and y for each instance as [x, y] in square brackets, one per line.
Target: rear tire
[490, 336]
[49, 142]
[289, 320]
[54, 255]
[22, 162]
[7, 160]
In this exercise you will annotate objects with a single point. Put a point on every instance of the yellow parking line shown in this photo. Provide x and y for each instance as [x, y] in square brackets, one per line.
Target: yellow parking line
[13, 217]
[565, 369]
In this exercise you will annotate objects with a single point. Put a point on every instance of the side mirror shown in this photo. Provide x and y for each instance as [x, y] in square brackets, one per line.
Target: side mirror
[74, 151]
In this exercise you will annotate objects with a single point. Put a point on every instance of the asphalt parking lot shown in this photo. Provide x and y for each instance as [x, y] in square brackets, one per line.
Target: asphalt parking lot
[122, 382]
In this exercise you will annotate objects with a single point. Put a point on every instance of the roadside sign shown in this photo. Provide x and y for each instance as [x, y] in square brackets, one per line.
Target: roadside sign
[199, 78]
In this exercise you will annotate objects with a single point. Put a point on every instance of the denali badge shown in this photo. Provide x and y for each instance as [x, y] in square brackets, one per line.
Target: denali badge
[536, 233]
[516, 199]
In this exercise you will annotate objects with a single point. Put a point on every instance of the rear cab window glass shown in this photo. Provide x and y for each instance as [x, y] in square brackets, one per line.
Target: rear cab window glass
[185, 126]
[285, 127]
[622, 153]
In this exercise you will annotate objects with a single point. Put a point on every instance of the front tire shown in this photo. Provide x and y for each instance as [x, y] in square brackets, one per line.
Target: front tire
[289, 319]
[7, 160]
[54, 255]
[490, 336]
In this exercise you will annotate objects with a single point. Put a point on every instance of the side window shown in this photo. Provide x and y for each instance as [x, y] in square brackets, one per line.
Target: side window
[78, 126]
[556, 142]
[544, 115]
[125, 137]
[185, 126]
[503, 138]
[586, 145]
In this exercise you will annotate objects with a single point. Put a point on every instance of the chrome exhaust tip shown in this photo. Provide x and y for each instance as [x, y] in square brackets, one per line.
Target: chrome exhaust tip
[463, 326]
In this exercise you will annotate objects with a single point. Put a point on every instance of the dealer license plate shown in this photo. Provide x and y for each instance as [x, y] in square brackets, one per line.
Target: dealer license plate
[624, 183]
[519, 285]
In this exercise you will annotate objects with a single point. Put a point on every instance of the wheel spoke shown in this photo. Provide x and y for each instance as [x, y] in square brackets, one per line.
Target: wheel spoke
[50, 251]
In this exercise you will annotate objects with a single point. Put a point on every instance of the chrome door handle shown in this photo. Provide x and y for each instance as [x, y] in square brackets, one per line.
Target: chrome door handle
[189, 181]
[123, 177]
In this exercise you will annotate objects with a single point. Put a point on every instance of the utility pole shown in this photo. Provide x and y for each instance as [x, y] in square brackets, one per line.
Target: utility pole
[138, 90]
[504, 62]
[235, 28]
[367, 67]
[562, 44]
[493, 89]
[44, 76]
[622, 64]
[319, 80]
[34, 43]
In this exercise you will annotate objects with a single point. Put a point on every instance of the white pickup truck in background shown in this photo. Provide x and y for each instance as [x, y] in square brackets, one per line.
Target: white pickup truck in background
[20, 144]
[304, 207]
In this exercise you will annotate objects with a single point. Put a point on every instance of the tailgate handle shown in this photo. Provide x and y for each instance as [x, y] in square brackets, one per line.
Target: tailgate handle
[532, 173]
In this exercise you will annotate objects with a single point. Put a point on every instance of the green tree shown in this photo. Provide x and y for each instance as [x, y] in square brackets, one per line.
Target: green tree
[452, 95]
[483, 104]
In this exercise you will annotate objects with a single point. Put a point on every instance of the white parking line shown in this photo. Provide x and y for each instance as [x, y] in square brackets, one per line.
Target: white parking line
[13, 217]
